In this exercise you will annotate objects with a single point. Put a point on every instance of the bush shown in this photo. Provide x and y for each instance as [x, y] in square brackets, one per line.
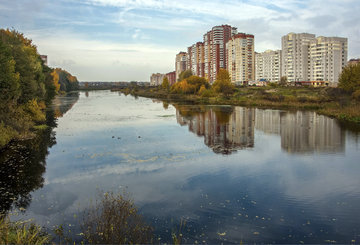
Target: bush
[33, 108]
[115, 219]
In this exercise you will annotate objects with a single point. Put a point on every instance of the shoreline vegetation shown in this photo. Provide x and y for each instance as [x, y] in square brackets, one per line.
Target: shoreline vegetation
[340, 103]
[27, 87]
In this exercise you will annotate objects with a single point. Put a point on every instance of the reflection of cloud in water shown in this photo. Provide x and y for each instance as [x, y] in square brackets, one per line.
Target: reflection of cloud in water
[258, 194]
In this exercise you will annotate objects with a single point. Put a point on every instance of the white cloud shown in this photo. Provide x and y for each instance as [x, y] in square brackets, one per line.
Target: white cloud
[94, 60]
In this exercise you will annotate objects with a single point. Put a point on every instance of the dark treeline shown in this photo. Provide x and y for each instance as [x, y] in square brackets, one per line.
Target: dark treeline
[27, 86]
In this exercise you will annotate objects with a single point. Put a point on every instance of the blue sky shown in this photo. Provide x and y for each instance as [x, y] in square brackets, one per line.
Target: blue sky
[123, 40]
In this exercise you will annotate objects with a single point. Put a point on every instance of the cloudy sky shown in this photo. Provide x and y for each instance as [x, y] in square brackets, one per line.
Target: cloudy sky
[123, 40]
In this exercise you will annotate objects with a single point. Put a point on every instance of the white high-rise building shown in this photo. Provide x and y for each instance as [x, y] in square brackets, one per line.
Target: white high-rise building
[307, 58]
[268, 66]
[328, 56]
[241, 58]
[295, 56]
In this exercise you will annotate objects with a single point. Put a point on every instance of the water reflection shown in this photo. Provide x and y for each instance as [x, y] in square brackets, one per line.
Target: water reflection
[23, 163]
[227, 129]
[260, 194]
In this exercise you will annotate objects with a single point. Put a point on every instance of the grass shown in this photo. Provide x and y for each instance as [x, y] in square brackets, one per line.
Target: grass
[21, 232]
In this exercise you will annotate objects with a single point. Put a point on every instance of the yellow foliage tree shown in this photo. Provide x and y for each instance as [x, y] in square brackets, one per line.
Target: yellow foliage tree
[223, 83]
[55, 76]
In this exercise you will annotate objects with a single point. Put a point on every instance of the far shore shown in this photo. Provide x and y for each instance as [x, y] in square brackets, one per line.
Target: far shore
[327, 101]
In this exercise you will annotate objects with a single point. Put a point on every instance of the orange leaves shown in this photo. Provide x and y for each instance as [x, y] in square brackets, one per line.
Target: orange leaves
[55, 76]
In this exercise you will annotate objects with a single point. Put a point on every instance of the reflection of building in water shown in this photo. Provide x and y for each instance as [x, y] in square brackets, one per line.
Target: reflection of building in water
[309, 132]
[225, 129]
[268, 121]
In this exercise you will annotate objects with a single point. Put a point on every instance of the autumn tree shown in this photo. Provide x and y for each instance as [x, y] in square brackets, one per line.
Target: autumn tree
[55, 77]
[190, 85]
[223, 83]
[165, 84]
[185, 74]
[349, 79]
[24, 84]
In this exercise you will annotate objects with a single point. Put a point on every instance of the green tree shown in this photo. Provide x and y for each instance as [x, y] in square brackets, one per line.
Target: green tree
[9, 79]
[185, 74]
[223, 83]
[27, 64]
[349, 79]
[165, 84]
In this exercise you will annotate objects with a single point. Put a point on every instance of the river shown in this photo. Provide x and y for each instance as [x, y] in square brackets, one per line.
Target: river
[234, 174]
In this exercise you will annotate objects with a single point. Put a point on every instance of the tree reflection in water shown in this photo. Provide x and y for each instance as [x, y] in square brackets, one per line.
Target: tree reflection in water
[23, 163]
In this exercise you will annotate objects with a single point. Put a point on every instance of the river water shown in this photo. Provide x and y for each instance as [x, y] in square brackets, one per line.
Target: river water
[234, 174]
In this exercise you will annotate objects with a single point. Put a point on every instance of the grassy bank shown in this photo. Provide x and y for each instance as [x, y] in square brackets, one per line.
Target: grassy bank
[332, 102]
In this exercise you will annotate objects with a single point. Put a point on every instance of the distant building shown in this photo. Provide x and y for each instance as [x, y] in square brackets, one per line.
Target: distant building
[328, 56]
[171, 76]
[44, 58]
[295, 56]
[180, 63]
[309, 58]
[353, 61]
[268, 66]
[215, 50]
[195, 59]
[241, 58]
[156, 79]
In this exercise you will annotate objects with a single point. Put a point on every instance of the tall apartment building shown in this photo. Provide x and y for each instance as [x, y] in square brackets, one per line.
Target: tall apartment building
[307, 58]
[195, 57]
[215, 49]
[268, 66]
[180, 63]
[328, 56]
[241, 58]
[295, 56]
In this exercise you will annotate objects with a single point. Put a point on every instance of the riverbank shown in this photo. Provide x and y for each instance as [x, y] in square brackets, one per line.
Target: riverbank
[331, 102]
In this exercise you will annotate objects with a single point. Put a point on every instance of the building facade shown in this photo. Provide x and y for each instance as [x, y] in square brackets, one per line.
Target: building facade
[328, 56]
[156, 79]
[215, 50]
[180, 63]
[171, 76]
[309, 58]
[241, 58]
[268, 66]
[295, 52]
[195, 57]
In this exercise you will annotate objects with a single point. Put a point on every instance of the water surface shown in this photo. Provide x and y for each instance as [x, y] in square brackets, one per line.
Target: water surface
[233, 173]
